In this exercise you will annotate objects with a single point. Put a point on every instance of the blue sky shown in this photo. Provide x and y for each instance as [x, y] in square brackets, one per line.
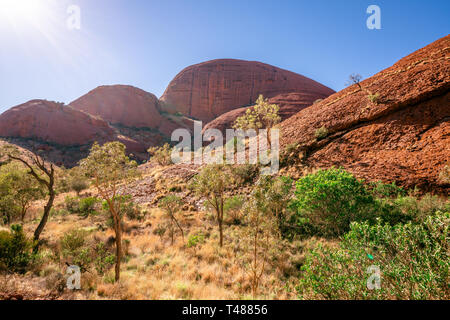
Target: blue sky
[146, 43]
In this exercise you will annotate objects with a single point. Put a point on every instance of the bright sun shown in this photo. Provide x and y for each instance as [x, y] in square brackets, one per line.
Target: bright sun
[21, 10]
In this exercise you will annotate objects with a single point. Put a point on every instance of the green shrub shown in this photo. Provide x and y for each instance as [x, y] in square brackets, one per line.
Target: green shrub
[72, 204]
[232, 208]
[88, 205]
[374, 97]
[74, 248]
[195, 239]
[162, 155]
[104, 260]
[15, 250]
[327, 201]
[413, 260]
[321, 133]
[127, 208]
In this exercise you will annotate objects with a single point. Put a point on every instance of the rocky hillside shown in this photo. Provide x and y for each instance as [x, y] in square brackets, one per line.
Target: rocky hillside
[395, 128]
[124, 105]
[62, 132]
[207, 90]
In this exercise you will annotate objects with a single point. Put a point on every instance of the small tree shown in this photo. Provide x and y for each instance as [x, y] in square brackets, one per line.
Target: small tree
[44, 174]
[256, 242]
[20, 186]
[109, 166]
[212, 183]
[354, 78]
[262, 115]
[272, 196]
[172, 204]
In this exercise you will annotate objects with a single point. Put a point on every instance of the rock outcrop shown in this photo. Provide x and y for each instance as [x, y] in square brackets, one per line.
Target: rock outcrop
[207, 90]
[54, 123]
[396, 128]
[123, 105]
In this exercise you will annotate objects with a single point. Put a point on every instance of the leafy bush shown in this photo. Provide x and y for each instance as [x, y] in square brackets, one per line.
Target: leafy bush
[162, 155]
[321, 133]
[412, 258]
[72, 204]
[15, 250]
[127, 208]
[87, 206]
[232, 208]
[327, 201]
[74, 248]
[195, 239]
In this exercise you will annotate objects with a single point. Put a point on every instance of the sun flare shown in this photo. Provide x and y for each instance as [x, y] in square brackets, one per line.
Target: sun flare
[21, 10]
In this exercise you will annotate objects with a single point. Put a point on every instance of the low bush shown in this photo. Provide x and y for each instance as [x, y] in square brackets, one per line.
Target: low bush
[15, 250]
[233, 209]
[327, 201]
[321, 133]
[162, 155]
[412, 259]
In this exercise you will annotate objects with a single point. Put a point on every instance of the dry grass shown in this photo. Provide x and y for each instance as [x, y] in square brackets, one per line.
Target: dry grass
[155, 269]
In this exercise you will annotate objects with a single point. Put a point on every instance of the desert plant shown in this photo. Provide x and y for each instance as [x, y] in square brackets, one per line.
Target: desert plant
[109, 166]
[212, 183]
[262, 115]
[162, 155]
[326, 202]
[44, 174]
[15, 250]
[321, 133]
[18, 188]
[412, 258]
[374, 98]
[171, 205]
[233, 207]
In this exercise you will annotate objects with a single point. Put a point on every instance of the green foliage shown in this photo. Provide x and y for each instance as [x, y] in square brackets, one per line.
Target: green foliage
[127, 208]
[233, 207]
[413, 260]
[172, 204]
[83, 206]
[162, 155]
[195, 239]
[212, 183]
[15, 250]
[18, 189]
[104, 259]
[262, 115]
[327, 201]
[77, 250]
[374, 98]
[321, 133]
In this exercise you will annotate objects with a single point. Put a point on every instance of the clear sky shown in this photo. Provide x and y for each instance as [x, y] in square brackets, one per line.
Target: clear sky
[145, 43]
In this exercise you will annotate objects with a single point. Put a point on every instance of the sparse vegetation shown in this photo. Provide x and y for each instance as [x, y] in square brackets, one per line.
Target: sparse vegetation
[108, 166]
[374, 98]
[321, 133]
[261, 116]
[161, 155]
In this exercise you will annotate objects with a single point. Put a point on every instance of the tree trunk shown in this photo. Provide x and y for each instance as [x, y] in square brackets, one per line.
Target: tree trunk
[43, 222]
[118, 248]
[22, 213]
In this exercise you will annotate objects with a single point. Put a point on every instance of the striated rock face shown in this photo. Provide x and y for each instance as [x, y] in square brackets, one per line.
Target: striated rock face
[124, 105]
[402, 136]
[207, 90]
[289, 103]
[53, 122]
